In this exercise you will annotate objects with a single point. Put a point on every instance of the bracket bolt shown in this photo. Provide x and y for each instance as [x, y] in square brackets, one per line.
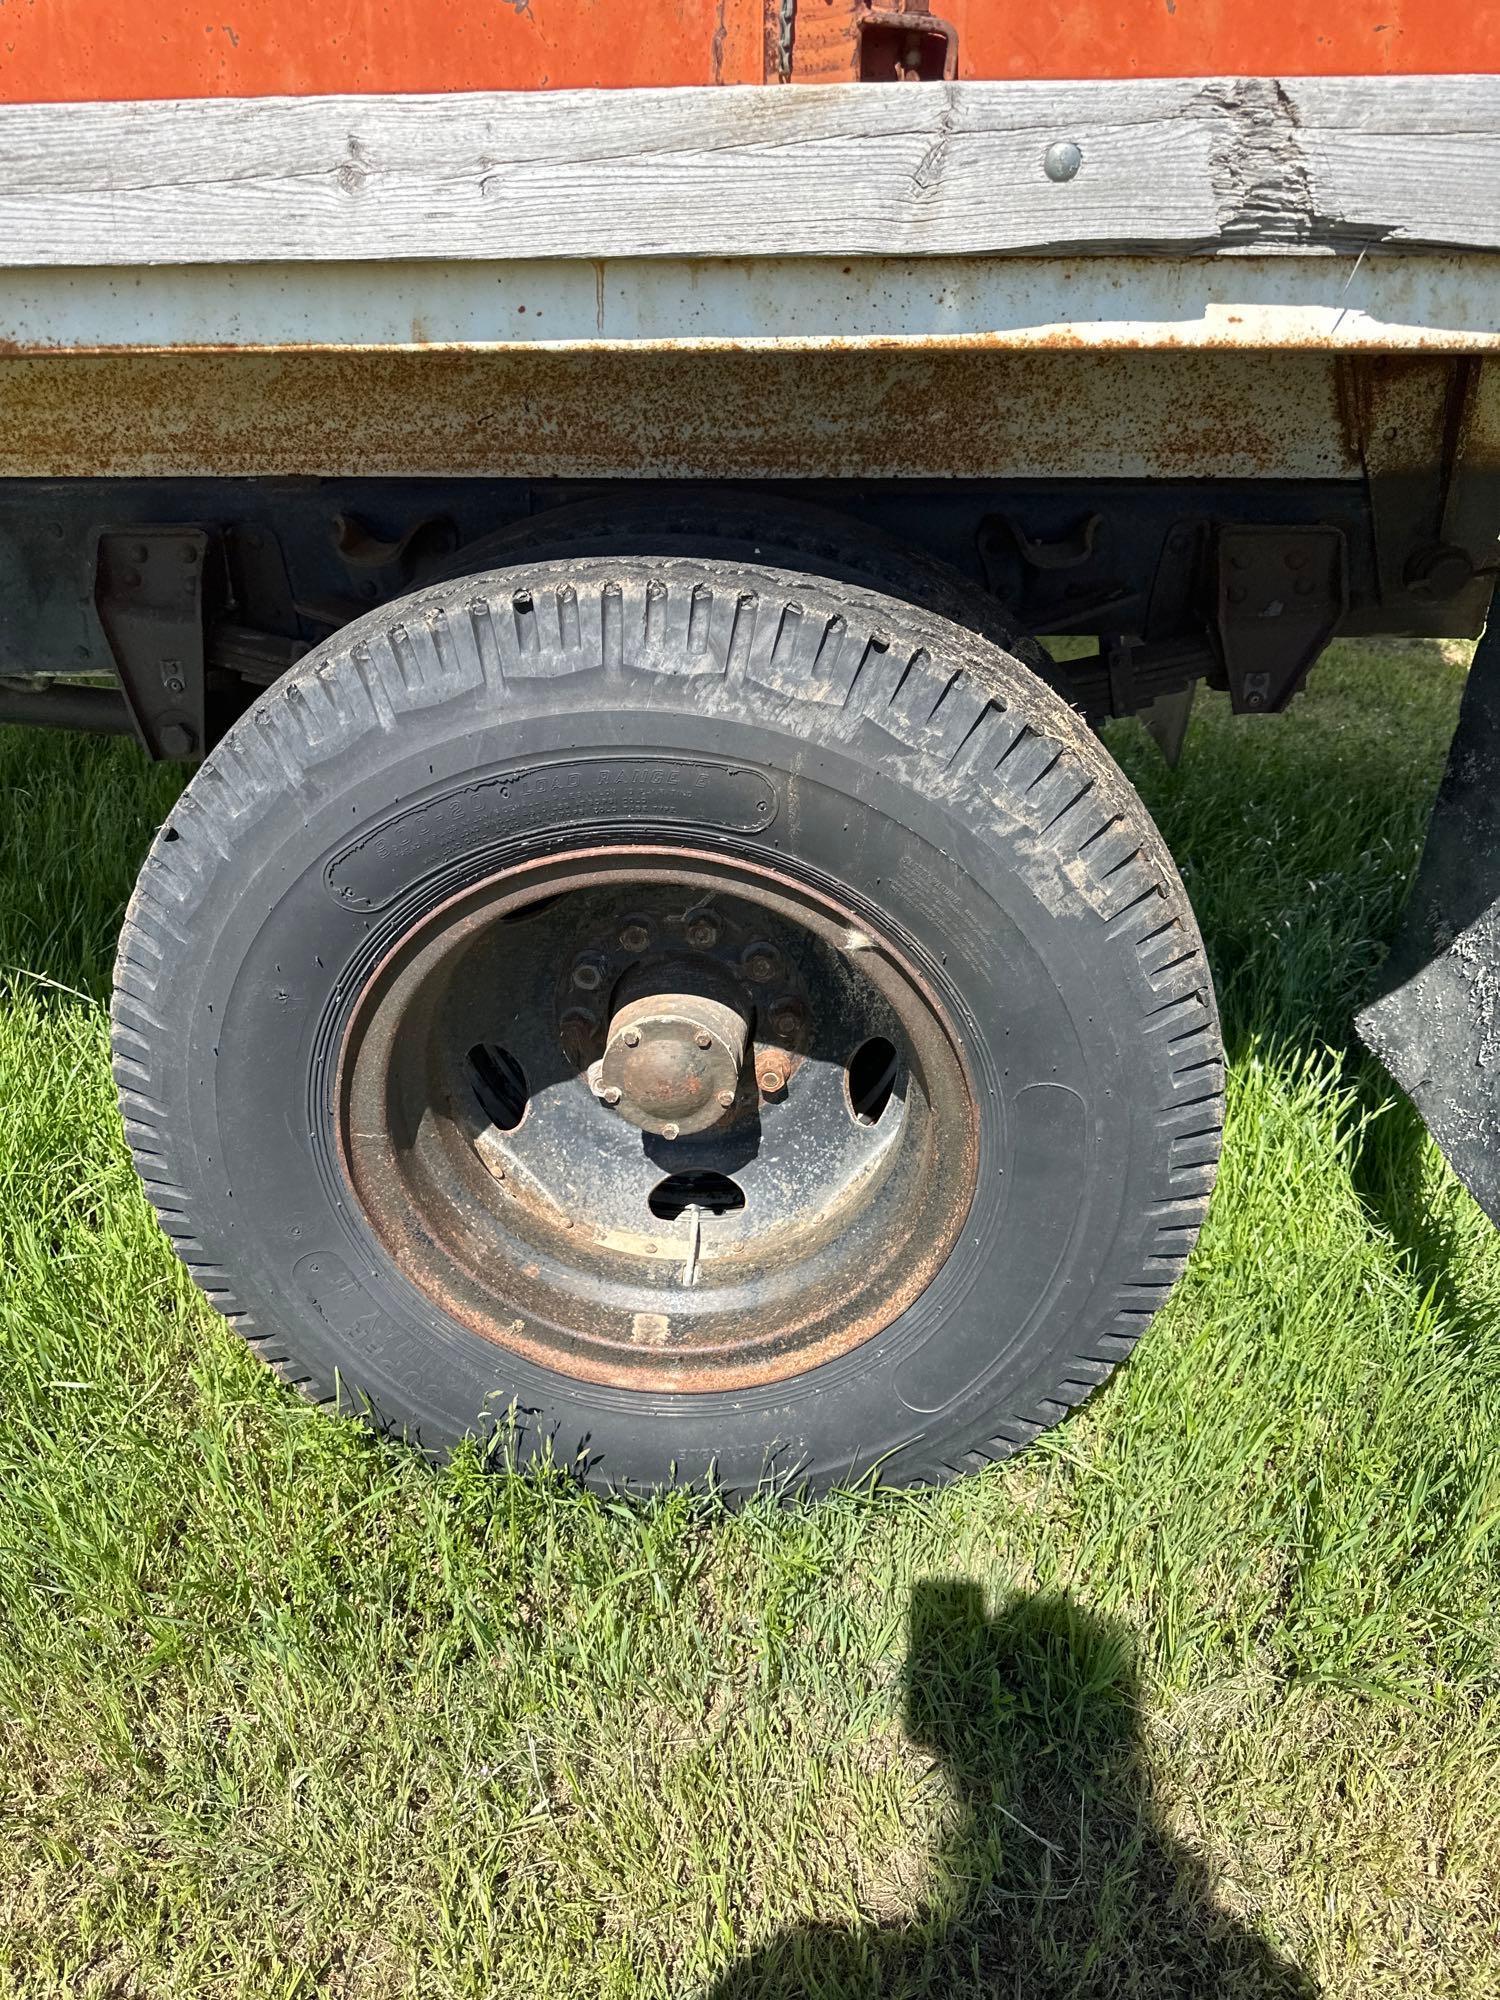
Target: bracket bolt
[1063, 159]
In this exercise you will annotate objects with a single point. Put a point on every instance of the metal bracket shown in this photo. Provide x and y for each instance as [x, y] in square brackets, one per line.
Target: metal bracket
[905, 44]
[148, 592]
[1068, 551]
[401, 560]
[1282, 594]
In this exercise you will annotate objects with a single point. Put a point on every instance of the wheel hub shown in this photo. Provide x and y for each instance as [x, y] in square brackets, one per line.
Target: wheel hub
[675, 1052]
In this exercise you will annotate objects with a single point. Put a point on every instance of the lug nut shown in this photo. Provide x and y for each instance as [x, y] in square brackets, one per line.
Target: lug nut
[702, 931]
[588, 974]
[771, 1081]
[761, 963]
[786, 1019]
[635, 937]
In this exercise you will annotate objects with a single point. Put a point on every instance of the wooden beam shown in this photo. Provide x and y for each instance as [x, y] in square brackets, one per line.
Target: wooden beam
[1180, 166]
[1414, 160]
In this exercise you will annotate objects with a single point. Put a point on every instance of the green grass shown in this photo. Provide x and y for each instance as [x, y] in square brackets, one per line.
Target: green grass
[1197, 1698]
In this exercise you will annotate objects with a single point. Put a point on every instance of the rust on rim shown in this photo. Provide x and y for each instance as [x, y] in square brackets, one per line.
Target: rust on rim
[771, 1172]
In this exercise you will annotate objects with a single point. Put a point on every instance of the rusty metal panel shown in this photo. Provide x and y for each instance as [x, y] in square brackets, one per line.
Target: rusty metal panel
[1438, 303]
[757, 414]
[1428, 433]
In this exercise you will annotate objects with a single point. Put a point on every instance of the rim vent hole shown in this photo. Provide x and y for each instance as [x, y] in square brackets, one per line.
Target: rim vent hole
[871, 1080]
[715, 1192]
[499, 1085]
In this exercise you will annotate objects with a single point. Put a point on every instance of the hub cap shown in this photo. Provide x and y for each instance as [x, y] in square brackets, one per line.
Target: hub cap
[675, 1050]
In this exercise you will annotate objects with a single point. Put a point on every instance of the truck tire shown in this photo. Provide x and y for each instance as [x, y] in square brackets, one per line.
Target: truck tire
[692, 1020]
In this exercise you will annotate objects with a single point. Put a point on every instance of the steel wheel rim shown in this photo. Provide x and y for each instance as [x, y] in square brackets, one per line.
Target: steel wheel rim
[540, 1233]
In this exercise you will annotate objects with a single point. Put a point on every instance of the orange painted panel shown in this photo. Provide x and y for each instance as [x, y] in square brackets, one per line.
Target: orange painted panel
[1105, 38]
[73, 50]
[69, 51]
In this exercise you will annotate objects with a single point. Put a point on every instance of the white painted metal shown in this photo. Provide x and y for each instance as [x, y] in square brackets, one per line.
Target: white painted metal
[1436, 302]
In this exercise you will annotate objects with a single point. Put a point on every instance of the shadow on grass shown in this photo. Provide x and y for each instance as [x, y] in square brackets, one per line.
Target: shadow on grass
[1392, 1174]
[1057, 1877]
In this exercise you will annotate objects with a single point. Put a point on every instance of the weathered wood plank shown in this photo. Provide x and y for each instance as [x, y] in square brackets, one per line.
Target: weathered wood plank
[1415, 160]
[1176, 165]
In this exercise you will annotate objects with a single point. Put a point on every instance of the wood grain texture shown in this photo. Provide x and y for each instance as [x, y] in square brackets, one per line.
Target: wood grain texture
[1412, 160]
[1181, 165]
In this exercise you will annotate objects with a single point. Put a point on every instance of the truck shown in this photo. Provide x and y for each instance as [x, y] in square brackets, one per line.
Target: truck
[654, 964]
